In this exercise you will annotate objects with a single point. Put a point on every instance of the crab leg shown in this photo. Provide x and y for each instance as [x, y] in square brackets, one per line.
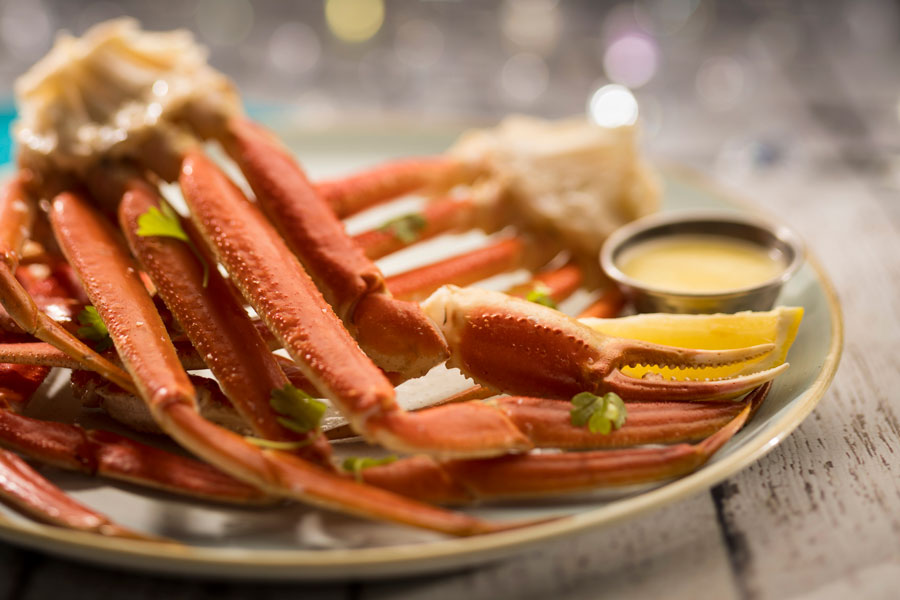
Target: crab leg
[557, 284]
[19, 483]
[358, 192]
[527, 475]
[557, 357]
[23, 487]
[104, 453]
[42, 353]
[274, 283]
[438, 216]
[609, 304]
[97, 452]
[17, 213]
[111, 281]
[463, 269]
[217, 325]
[548, 422]
[350, 282]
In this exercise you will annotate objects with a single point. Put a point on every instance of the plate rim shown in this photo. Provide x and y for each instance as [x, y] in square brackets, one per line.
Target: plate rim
[449, 554]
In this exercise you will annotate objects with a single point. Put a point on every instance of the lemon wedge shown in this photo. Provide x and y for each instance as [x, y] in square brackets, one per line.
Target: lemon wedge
[710, 332]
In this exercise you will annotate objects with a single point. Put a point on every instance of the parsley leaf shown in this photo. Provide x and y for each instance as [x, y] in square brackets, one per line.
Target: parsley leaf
[94, 329]
[406, 228]
[299, 411]
[356, 464]
[601, 414]
[540, 294]
[274, 445]
[163, 222]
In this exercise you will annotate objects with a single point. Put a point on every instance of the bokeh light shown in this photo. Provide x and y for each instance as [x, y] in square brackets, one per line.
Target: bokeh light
[613, 105]
[354, 21]
[631, 60]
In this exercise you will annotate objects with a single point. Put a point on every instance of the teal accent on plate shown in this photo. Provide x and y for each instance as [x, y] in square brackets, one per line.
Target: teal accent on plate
[7, 116]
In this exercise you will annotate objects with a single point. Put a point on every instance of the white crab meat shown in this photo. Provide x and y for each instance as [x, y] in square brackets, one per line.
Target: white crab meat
[570, 178]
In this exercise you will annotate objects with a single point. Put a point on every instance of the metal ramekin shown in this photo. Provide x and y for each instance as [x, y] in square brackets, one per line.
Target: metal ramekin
[647, 298]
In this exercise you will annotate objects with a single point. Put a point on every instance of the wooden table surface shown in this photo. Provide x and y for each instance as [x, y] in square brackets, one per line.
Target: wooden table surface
[819, 516]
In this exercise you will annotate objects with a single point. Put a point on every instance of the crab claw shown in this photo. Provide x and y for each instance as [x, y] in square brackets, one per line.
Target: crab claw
[521, 347]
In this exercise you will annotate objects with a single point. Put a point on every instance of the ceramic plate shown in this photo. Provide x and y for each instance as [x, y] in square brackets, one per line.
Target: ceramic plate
[293, 542]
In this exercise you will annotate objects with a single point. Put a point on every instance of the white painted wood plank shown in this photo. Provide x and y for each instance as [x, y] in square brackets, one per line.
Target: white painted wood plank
[820, 516]
[676, 553]
[873, 582]
[827, 502]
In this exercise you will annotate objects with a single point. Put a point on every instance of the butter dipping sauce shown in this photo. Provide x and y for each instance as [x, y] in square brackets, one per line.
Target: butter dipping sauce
[701, 261]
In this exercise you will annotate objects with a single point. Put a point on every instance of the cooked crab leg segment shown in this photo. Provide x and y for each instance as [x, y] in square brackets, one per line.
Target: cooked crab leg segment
[104, 453]
[274, 283]
[349, 280]
[217, 325]
[110, 455]
[355, 193]
[36, 353]
[277, 287]
[525, 475]
[608, 305]
[17, 213]
[42, 353]
[23, 487]
[438, 216]
[463, 269]
[557, 357]
[101, 452]
[111, 281]
[20, 485]
[557, 284]
[549, 424]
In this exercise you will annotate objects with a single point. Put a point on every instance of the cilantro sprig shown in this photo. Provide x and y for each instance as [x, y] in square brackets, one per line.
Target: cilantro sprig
[601, 414]
[540, 294]
[356, 464]
[164, 222]
[93, 329]
[407, 228]
[298, 411]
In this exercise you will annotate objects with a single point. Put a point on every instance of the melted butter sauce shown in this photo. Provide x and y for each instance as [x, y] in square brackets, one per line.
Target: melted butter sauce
[700, 263]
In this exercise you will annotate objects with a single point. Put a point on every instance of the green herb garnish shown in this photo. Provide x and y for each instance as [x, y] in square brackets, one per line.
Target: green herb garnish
[273, 445]
[299, 411]
[161, 222]
[164, 222]
[94, 329]
[406, 228]
[540, 294]
[601, 414]
[356, 464]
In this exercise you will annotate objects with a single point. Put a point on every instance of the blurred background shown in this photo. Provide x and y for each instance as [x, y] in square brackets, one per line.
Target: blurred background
[720, 84]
